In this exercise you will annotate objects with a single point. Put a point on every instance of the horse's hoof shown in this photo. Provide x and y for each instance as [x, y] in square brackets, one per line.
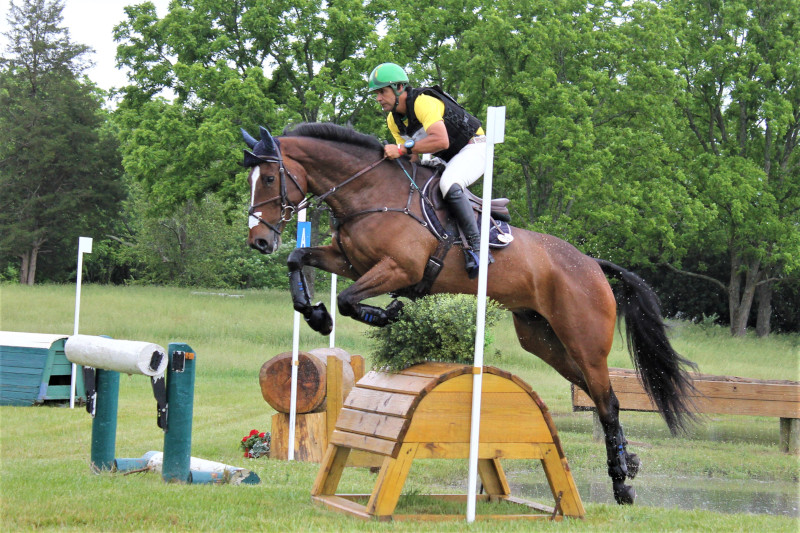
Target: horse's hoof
[319, 319]
[624, 494]
[393, 310]
[633, 462]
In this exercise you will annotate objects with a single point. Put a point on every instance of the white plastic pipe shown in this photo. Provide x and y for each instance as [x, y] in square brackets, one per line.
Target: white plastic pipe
[334, 278]
[495, 129]
[301, 218]
[84, 247]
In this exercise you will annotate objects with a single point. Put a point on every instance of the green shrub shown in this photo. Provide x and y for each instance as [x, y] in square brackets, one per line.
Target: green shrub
[440, 327]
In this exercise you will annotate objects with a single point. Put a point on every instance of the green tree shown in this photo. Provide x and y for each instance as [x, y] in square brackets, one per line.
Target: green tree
[59, 165]
[739, 63]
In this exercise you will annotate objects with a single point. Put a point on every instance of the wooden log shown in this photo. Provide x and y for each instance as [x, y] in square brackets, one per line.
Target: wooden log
[275, 379]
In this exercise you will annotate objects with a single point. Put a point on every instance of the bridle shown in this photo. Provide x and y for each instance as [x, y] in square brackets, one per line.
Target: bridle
[288, 207]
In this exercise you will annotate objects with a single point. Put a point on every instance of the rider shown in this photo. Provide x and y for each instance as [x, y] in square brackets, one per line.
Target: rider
[429, 121]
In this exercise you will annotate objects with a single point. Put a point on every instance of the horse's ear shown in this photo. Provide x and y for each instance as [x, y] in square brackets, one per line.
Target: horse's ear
[251, 159]
[249, 139]
[270, 146]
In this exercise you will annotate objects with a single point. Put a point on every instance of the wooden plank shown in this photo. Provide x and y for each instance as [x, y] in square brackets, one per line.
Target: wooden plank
[486, 450]
[363, 442]
[509, 417]
[330, 472]
[391, 479]
[490, 383]
[334, 398]
[310, 435]
[442, 371]
[381, 402]
[750, 404]
[561, 482]
[721, 389]
[362, 459]
[493, 478]
[401, 383]
[342, 505]
[357, 364]
[372, 424]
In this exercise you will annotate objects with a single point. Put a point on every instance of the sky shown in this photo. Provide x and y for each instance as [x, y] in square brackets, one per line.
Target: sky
[91, 22]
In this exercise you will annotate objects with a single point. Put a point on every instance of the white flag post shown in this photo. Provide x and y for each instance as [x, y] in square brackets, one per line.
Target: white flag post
[84, 247]
[495, 134]
[334, 278]
[303, 236]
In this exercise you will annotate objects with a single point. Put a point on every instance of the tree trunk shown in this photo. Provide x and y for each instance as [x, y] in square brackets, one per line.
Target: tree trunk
[25, 259]
[32, 264]
[740, 299]
[27, 269]
[764, 297]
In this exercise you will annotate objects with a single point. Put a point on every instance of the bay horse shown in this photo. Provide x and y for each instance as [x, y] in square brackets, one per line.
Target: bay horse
[563, 306]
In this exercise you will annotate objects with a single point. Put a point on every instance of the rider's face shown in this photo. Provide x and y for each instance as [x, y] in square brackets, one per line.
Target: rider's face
[385, 97]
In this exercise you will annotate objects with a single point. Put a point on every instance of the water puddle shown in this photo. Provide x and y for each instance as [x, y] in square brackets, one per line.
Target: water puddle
[722, 496]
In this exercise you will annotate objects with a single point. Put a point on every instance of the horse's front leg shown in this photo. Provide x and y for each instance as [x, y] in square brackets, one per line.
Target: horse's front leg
[385, 277]
[325, 258]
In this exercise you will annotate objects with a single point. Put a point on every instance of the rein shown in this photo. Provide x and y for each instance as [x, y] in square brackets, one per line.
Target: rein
[289, 208]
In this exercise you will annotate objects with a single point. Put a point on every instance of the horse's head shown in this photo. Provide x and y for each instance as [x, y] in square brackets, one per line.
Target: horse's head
[275, 193]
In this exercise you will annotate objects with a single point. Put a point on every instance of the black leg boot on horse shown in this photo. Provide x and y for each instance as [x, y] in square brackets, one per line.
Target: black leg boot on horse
[460, 208]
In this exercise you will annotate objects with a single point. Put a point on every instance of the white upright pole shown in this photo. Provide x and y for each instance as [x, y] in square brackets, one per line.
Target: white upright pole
[334, 278]
[301, 243]
[84, 247]
[495, 130]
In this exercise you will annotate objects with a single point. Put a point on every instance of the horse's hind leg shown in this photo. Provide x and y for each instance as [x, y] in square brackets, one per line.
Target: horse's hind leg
[590, 374]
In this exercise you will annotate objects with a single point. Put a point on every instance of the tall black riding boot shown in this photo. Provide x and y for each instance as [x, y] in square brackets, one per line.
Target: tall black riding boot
[461, 209]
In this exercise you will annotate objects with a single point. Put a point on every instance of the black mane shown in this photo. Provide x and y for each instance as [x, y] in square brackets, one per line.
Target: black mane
[332, 132]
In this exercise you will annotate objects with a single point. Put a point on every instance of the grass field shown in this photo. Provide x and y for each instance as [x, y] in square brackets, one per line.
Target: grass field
[45, 482]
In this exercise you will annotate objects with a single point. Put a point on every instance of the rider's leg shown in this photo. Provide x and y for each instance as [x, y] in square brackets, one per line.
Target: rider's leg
[462, 170]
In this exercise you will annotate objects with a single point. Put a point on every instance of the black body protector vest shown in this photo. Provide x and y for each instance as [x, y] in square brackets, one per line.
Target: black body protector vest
[460, 125]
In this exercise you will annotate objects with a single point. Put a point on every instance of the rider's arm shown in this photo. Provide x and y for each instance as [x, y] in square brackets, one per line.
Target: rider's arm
[435, 141]
[430, 113]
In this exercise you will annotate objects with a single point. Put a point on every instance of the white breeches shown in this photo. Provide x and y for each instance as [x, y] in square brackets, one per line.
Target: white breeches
[465, 167]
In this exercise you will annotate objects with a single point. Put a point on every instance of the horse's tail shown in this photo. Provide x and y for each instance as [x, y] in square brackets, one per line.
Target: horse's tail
[662, 370]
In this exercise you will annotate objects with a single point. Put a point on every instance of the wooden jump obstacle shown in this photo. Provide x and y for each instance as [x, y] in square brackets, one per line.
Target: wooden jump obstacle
[423, 412]
[726, 395]
[325, 377]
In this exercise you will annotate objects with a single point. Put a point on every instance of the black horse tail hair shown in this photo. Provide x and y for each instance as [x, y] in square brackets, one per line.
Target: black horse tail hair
[662, 370]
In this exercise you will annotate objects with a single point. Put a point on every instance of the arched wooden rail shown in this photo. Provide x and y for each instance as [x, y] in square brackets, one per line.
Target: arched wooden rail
[423, 412]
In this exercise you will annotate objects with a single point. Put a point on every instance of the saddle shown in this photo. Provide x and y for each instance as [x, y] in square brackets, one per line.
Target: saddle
[447, 232]
[433, 203]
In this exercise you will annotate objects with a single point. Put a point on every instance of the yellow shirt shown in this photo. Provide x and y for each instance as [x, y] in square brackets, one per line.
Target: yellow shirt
[429, 110]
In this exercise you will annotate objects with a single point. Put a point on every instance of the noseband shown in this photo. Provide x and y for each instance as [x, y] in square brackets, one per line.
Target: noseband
[289, 208]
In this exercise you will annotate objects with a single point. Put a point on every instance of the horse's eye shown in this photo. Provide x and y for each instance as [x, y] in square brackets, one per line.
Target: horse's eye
[266, 180]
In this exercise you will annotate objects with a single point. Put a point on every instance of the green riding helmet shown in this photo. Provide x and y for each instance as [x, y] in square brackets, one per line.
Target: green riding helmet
[385, 75]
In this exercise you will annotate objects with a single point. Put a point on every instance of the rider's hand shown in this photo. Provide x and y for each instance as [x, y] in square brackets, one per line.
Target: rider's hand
[392, 151]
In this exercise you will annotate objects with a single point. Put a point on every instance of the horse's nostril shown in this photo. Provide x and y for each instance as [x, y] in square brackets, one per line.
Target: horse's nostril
[261, 245]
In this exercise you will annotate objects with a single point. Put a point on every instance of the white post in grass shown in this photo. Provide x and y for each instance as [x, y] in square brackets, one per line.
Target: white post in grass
[333, 310]
[84, 247]
[303, 236]
[495, 133]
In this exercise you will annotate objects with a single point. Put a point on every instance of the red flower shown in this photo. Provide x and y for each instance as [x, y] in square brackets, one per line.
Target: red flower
[253, 432]
[261, 435]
